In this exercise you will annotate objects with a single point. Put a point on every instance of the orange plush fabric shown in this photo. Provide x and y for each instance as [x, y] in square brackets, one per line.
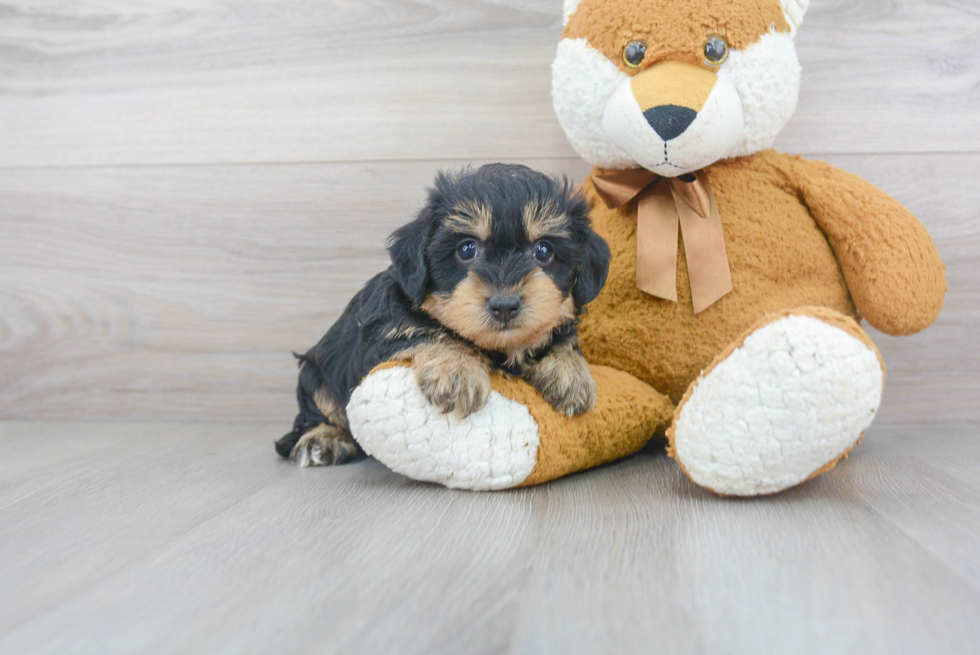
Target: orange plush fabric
[627, 413]
[780, 258]
[672, 30]
[889, 261]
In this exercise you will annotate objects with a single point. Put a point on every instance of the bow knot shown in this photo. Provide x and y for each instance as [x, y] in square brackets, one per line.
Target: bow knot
[663, 204]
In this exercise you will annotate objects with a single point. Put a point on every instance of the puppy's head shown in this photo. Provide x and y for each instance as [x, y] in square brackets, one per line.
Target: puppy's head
[676, 85]
[501, 255]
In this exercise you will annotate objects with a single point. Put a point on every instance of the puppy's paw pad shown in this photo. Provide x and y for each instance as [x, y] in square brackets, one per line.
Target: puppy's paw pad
[565, 380]
[576, 396]
[464, 390]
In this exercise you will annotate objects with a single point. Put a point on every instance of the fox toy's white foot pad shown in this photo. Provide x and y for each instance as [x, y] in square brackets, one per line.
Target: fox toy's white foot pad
[791, 400]
[492, 449]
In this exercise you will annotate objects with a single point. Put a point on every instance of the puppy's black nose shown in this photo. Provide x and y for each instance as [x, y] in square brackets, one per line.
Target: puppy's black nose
[504, 308]
[670, 121]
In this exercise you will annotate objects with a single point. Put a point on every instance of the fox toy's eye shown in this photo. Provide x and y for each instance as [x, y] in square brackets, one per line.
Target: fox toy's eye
[467, 250]
[544, 253]
[634, 52]
[715, 51]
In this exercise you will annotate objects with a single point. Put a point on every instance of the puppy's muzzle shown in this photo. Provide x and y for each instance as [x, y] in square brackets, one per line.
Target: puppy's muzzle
[504, 307]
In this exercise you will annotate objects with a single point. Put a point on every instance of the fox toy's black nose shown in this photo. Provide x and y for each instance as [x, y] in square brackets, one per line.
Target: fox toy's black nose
[670, 121]
[504, 308]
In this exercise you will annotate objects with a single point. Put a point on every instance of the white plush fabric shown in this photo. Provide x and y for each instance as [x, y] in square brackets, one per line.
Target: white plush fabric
[765, 78]
[794, 10]
[583, 81]
[792, 399]
[712, 135]
[571, 6]
[495, 448]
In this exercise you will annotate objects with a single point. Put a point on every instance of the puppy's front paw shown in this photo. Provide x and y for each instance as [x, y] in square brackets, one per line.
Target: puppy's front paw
[564, 379]
[453, 378]
[325, 445]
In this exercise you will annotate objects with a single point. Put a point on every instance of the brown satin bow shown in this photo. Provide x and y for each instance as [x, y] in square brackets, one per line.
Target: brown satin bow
[663, 202]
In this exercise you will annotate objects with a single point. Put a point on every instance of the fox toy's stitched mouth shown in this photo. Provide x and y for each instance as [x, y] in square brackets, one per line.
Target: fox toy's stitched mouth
[666, 161]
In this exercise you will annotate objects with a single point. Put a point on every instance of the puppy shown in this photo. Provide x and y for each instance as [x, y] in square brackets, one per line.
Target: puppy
[490, 276]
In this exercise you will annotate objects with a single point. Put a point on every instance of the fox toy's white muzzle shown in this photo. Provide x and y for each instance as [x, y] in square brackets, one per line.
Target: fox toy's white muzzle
[675, 118]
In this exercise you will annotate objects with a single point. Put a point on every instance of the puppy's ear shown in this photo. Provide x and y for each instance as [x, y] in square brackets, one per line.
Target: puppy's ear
[593, 269]
[407, 248]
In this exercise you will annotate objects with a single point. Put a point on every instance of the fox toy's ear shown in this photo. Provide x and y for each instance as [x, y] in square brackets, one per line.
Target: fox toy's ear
[571, 6]
[794, 10]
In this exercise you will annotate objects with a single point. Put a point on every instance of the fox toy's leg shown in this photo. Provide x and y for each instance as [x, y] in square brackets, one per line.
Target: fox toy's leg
[785, 403]
[518, 439]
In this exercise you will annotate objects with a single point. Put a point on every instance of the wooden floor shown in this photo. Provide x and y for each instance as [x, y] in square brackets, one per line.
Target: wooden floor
[128, 538]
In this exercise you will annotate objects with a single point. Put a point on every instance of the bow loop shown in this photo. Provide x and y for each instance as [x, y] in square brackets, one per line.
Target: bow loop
[618, 189]
[661, 207]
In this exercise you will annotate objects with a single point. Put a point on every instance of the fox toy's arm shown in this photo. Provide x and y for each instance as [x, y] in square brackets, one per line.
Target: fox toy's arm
[892, 267]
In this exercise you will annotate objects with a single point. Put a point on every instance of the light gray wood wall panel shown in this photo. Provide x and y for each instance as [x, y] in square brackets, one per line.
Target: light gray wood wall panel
[178, 292]
[201, 540]
[113, 82]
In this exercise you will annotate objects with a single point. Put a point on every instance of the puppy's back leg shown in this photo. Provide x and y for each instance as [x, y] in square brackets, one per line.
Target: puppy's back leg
[325, 445]
[320, 436]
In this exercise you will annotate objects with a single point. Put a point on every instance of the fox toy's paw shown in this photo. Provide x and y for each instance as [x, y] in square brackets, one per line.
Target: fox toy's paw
[785, 404]
[517, 439]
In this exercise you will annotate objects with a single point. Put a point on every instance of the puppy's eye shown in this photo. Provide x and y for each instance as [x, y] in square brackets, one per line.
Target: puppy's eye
[715, 51]
[544, 253]
[634, 52]
[467, 250]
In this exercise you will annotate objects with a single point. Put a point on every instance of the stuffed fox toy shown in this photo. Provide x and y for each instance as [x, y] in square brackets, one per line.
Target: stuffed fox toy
[730, 320]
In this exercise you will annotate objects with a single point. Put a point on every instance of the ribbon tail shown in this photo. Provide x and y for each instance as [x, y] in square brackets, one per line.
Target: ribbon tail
[656, 241]
[707, 257]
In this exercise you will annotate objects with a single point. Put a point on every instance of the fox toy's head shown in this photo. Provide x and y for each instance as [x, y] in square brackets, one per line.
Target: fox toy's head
[676, 85]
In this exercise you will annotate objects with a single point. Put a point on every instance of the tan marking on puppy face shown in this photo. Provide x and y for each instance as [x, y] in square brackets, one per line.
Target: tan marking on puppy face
[542, 219]
[464, 311]
[451, 375]
[565, 380]
[672, 30]
[472, 219]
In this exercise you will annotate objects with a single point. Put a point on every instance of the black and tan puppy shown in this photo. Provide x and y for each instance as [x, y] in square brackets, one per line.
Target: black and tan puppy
[491, 275]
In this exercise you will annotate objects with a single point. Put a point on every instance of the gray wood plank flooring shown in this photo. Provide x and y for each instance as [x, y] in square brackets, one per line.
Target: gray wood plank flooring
[195, 538]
